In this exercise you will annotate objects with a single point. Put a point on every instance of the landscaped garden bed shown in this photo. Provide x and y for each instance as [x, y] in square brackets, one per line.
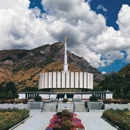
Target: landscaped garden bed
[65, 100]
[13, 101]
[65, 120]
[120, 118]
[116, 101]
[11, 117]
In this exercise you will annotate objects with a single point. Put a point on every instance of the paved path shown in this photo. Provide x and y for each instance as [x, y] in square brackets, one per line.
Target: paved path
[39, 121]
[91, 120]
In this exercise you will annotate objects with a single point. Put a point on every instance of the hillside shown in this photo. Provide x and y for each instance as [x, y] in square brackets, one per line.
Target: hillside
[125, 71]
[23, 66]
[118, 82]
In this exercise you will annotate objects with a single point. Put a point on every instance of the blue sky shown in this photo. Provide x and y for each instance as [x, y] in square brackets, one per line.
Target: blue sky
[97, 30]
[113, 7]
[110, 9]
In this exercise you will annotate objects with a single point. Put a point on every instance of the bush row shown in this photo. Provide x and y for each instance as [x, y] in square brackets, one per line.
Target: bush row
[65, 120]
[120, 118]
[119, 101]
[24, 101]
[10, 117]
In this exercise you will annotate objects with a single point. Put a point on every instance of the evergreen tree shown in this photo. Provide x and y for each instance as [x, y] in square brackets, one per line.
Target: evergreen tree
[121, 94]
[2, 95]
[128, 95]
[9, 95]
[1, 87]
[114, 94]
[10, 86]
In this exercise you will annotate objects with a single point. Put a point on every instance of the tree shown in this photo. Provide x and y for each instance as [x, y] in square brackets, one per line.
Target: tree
[2, 95]
[121, 94]
[16, 95]
[96, 89]
[128, 95]
[9, 95]
[114, 94]
[10, 86]
[30, 89]
[1, 87]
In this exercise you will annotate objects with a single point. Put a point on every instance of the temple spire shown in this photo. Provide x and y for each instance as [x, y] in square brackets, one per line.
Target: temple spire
[65, 56]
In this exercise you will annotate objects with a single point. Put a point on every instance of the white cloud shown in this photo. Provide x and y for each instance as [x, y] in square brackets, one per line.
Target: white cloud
[88, 35]
[103, 72]
[100, 7]
[124, 26]
[36, 11]
[127, 60]
[20, 27]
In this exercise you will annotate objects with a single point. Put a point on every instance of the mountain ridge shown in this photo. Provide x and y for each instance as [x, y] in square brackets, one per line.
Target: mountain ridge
[23, 66]
[124, 71]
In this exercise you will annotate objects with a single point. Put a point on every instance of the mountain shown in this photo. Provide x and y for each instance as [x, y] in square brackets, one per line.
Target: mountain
[23, 66]
[125, 71]
[118, 82]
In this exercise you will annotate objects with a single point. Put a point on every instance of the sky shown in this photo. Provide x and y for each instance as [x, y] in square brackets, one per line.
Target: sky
[97, 30]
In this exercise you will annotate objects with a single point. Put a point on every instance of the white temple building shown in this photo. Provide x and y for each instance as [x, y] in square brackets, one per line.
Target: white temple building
[78, 85]
[65, 80]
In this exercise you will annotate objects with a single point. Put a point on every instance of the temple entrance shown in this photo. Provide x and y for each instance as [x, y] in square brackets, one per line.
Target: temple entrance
[65, 96]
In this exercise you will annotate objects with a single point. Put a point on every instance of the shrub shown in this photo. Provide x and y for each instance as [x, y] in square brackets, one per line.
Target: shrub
[18, 101]
[38, 98]
[11, 117]
[118, 117]
[24, 101]
[93, 98]
[65, 100]
[65, 120]
[119, 101]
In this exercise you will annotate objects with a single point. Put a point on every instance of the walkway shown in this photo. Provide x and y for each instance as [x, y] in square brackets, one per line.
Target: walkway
[91, 120]
[39, 121]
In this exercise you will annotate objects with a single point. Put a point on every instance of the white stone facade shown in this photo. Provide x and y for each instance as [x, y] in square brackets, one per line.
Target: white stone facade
[66, 80]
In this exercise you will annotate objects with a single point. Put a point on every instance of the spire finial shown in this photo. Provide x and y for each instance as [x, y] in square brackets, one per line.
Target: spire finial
[65, 38]
[65, 57]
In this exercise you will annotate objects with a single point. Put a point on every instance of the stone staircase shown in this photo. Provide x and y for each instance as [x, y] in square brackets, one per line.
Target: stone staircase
[34, 105]
[79, 107]
[50, 107]
[65, 106]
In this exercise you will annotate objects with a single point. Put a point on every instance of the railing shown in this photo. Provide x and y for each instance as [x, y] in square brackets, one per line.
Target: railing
[42, 106]
[57, 105]
[73, 105]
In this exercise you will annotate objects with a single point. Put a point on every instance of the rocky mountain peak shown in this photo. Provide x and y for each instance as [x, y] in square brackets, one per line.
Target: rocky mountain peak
[23, 66]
